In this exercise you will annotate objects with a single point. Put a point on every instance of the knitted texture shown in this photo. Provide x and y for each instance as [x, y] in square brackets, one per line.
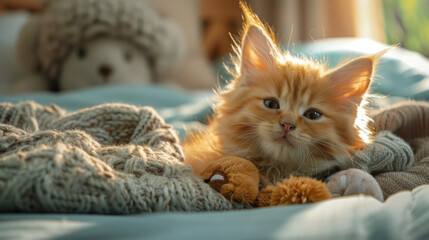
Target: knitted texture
[64, 25]
[386, 153]
[409, 121]
[112, 159]
[398, 157]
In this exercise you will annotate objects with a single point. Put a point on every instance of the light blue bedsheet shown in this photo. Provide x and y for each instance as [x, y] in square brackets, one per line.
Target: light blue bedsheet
[402, 74]
[404, 216]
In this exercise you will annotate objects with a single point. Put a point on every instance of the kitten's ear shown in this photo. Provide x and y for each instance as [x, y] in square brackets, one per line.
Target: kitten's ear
[257, 51]
[351, 81]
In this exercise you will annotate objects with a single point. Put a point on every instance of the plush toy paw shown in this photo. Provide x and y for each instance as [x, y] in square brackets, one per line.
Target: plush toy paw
[237, 179]
[354, 181]
[294, 190]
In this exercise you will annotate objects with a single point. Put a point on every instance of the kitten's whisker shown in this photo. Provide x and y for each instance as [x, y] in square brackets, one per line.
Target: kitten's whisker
[247, 140]
[312, 37]
[326, 158]
[329, 145]
[249, 133]
[290, 37]
[302, 159]
[340, 150]
[313, 163]
[312, 159]
[335, 148]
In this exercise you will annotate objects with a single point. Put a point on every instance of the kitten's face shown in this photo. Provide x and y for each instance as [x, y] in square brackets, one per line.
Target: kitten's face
[289, 113]
[292, 111]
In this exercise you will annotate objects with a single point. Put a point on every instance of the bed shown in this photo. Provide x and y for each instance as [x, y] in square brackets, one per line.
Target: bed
[402, 75]
[403, 216]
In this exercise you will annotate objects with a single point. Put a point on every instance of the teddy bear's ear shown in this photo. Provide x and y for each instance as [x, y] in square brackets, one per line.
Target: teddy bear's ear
[26, 46]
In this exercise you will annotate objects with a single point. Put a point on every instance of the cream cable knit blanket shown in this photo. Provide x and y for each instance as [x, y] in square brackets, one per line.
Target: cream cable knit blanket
[112, 159]
[122, 159]
[408, 121]
[398, 157]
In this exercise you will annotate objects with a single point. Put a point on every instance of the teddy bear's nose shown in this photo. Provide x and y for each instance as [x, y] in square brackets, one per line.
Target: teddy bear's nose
[105, 70]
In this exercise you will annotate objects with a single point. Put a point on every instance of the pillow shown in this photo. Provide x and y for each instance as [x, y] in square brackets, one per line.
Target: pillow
[195, 70]
[400, 73]
[10, 68]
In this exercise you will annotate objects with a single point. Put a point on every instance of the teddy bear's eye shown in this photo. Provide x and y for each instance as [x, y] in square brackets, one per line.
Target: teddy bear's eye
[81, 53]
[128, 56]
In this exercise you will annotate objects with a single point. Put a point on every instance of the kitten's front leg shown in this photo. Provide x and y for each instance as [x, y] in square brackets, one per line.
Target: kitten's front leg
[236, 178]
[354, 181]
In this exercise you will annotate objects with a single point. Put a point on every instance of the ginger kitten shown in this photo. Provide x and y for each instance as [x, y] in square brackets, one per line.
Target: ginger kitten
[288, 115]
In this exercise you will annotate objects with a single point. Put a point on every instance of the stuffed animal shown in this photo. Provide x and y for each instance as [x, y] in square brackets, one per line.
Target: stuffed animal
[83, 43]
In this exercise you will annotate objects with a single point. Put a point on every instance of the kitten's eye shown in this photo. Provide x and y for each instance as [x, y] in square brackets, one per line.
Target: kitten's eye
[313, 114]
[271, 103]
[81, 53]
[128, 56]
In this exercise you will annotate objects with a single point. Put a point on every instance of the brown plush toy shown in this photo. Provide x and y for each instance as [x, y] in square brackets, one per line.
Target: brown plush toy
[238, 179]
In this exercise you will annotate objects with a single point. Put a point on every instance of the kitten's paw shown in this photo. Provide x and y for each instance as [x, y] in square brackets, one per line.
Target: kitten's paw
[299, 190]
[244, 192]
[237, 179]
[354, 181]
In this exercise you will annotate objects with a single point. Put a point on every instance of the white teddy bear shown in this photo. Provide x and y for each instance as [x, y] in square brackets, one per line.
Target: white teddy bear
[105, 61]
[76, 44]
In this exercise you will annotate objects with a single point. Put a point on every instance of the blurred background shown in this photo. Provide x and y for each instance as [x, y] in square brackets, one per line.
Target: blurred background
[296, 21]
[207, 25]
[391, 21]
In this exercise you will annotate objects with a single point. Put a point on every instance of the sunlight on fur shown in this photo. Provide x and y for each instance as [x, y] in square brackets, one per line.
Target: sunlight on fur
[361, 123]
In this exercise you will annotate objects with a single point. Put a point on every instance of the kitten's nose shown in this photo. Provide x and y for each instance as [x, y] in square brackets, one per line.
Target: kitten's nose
[105, 70]
[287, 127]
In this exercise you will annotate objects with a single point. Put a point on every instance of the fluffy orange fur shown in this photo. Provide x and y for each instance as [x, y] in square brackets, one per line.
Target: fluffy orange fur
[288, 115]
